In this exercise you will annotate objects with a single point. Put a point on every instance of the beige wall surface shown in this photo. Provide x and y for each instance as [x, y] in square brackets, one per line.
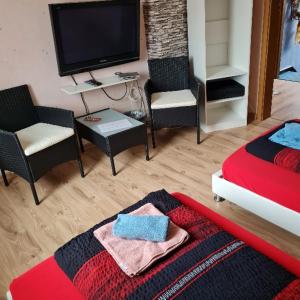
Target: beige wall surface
[27, 56]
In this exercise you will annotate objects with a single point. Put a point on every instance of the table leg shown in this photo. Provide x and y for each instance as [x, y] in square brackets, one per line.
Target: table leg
[147, 151]
[112, 165]
[81, 145]
[111, 157]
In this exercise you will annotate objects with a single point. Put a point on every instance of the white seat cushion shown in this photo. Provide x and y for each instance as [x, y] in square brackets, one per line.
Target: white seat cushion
[40, 136]
[172, 99]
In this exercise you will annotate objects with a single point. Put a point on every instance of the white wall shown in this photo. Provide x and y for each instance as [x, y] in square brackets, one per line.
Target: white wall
[27, 56]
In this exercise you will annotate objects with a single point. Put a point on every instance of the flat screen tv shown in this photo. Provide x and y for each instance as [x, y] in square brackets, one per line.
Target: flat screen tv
[94, 35]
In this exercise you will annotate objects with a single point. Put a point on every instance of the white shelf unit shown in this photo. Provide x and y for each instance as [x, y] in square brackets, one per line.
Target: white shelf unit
[219, 48]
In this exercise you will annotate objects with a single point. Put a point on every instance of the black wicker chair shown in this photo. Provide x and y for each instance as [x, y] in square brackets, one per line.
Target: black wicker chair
[170, 75]
[18, 112]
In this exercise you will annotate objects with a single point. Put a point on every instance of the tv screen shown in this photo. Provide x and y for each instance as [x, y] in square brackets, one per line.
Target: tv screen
[94, 35]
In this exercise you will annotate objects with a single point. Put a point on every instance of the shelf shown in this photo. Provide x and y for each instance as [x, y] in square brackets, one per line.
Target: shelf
[223, 118]
[85, 87]
[226, 71]
[216, 20]
[215, 102]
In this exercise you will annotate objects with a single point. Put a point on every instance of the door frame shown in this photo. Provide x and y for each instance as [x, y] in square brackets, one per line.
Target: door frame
[270, 53]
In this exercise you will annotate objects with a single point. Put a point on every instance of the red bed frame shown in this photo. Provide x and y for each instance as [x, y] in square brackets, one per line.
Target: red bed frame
[47, 281]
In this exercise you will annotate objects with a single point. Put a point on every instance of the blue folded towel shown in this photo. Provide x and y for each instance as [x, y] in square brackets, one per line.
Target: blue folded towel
[288, 136]
[147, 227]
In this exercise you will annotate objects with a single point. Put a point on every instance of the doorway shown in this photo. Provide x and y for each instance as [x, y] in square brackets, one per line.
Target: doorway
[290, 45]
[277, 97]
[286, 89]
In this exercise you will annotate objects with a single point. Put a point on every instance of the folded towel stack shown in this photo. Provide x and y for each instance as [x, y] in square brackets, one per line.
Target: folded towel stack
[147, 227]
[288, 136]
[135, 256]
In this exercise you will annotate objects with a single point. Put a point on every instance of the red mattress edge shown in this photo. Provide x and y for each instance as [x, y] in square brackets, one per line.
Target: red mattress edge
[47, 281]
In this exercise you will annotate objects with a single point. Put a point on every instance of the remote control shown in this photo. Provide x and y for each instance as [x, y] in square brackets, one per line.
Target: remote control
[93, 82]
[128, 74]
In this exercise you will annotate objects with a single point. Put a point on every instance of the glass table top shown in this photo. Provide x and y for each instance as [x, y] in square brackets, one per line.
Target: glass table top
[107, 116]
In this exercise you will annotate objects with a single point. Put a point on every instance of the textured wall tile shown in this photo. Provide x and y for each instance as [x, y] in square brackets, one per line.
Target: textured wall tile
[166, 28]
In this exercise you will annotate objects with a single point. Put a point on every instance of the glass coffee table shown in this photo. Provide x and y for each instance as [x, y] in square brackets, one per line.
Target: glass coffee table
[113, 133]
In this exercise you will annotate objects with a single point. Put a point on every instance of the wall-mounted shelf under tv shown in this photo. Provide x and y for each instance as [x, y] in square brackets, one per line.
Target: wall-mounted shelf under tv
[86, 87]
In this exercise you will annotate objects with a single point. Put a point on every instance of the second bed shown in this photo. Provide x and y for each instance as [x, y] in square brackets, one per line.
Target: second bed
[269, 191]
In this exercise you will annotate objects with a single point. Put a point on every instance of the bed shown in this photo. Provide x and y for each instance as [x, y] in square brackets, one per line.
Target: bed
[261, 187]
[48, 281]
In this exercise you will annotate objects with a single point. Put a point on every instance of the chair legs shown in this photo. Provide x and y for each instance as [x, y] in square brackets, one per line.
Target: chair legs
[152, 133]
[34, 193]
[198, 135]
[153, 139]
[4, 177]
[198, 124]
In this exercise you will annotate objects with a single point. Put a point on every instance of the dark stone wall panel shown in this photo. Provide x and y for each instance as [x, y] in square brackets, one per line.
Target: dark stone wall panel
[166, 28]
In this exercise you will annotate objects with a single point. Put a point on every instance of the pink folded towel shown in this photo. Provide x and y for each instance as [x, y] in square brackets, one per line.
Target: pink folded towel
[135, 256]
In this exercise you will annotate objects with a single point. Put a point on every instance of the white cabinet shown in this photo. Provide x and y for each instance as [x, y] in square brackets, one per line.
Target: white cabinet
[219, 49]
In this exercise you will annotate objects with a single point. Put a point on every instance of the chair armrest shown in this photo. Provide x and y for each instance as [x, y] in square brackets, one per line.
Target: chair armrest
[56, 116]
[148, 92]
[12, 156]
[197, 88]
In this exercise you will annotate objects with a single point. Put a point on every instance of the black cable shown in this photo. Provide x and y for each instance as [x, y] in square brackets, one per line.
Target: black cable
[82, 97]
[116, 99]
[143, 106]
[110, 97]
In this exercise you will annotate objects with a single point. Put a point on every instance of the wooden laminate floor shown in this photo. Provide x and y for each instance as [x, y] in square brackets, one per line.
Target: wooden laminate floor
[286, 102]
[71, 204]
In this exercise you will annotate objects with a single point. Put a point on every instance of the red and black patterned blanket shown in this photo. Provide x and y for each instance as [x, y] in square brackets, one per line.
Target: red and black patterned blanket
[212, 265]
[277, 154]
